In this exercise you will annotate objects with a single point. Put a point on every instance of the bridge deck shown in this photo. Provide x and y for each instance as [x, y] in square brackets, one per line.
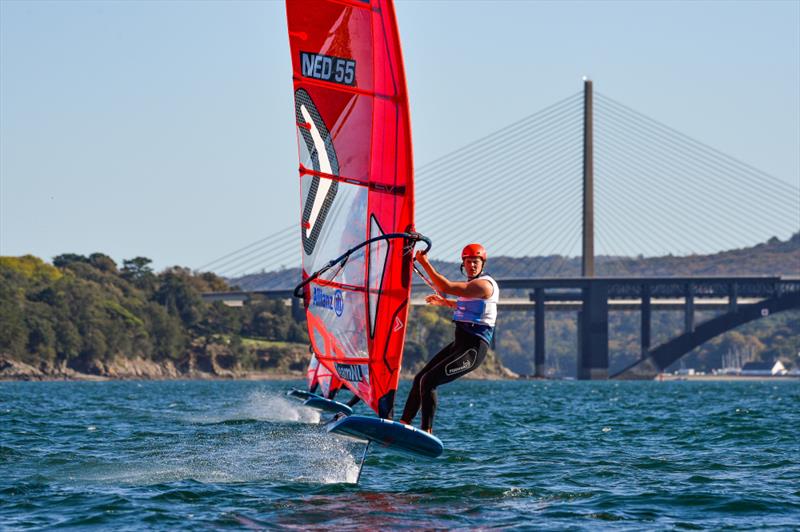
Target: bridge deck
[520, 304]
[524, 305]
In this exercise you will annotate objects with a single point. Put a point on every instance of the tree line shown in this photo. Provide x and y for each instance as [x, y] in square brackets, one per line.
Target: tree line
[81, 310]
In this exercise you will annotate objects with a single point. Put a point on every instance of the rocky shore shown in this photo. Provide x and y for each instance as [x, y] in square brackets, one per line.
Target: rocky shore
[207, 361]
[136, 369]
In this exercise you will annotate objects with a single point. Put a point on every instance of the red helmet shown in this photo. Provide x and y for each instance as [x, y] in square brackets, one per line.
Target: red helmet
[474, 250]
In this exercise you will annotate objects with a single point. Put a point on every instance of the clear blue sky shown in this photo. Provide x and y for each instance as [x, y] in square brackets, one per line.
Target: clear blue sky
[165, 129]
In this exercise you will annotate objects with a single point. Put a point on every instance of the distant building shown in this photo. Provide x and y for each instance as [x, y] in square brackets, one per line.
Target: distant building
[761, 369]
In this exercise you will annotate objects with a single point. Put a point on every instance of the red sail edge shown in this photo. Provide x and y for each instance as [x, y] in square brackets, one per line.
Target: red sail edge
[353, 127]
[319, 376]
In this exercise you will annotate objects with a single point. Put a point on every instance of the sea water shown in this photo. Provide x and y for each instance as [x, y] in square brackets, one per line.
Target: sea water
[518, 454]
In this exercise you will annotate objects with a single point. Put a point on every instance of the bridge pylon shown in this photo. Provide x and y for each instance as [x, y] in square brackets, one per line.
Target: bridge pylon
[593, 317]
[593, 333]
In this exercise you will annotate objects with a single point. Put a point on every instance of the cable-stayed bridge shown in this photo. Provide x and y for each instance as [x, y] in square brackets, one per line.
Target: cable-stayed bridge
[518, 191]
[522, 192]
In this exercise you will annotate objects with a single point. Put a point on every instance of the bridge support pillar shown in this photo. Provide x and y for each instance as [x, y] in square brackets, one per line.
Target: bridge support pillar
[646, 317]
[689, 309]
[733, 297]
[593, 333]
[538, 333]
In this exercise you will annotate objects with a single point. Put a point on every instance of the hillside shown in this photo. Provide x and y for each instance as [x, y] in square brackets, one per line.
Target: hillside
[774, 257]
[86, 315]
[776, 337]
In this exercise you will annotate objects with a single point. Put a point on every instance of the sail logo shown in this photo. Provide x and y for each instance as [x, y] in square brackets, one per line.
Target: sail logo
[350, 372]
[335, 302]
[328, 68]
[338, 303]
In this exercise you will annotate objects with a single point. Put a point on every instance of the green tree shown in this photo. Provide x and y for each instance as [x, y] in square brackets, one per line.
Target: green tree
[66, 259]
[138, 271]
[221, 319]
[179, 297]
[41, 336]
[169, 338]
[103, 262]
[13, 329]
[68, 341]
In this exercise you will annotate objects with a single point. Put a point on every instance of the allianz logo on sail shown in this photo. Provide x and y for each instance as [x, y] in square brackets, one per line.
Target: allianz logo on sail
[335, 302]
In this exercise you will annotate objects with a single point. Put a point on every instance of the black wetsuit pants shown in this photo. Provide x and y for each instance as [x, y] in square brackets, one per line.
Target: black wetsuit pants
[458, 358]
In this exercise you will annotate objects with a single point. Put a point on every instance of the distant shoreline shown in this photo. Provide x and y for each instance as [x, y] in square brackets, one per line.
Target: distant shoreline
[85, 377]
[721, 378]
[266, 376]
[255, 376]
[139, 370]
[146, 370]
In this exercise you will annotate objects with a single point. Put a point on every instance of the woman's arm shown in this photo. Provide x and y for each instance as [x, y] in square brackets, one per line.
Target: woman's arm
[438, 301]
[477, 288]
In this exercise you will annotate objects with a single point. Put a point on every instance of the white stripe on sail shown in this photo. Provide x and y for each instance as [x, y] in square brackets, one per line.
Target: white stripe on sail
[324, 166]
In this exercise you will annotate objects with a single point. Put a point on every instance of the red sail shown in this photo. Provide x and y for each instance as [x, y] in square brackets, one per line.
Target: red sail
[321, 378]
[356, 183]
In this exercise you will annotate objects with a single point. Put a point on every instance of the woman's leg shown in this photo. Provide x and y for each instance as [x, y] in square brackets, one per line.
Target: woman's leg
[413, 401]
[467, 354]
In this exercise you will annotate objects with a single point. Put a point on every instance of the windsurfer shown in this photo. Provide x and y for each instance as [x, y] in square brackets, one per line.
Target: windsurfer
[474, 316]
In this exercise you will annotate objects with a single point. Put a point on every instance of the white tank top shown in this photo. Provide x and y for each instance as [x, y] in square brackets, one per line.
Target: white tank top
[482, 311]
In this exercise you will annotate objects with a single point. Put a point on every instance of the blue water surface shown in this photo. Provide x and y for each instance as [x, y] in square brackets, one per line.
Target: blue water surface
[518, 454]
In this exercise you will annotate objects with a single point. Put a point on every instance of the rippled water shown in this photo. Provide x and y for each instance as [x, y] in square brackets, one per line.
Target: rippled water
[544, 455]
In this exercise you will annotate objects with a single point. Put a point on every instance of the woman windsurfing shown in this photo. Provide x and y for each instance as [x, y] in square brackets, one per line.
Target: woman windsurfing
[474, 316]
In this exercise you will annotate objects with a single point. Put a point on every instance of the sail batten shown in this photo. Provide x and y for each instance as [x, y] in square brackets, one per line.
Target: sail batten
[349, 90]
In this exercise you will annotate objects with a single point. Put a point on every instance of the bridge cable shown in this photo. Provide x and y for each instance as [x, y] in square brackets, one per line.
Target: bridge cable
[498, 245]
[699, 145]
[654, 226]
[476, 175]
[670, 145]
[509, 165]
[614, 222]
[481, 141]
[503, 146]
[543, 238]
[267, 249]
[502, 214]
[504, 211]
[658, 185]
[660, 155]
[570, 189]
[265, 239]
[246, 260]
[639, 155]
